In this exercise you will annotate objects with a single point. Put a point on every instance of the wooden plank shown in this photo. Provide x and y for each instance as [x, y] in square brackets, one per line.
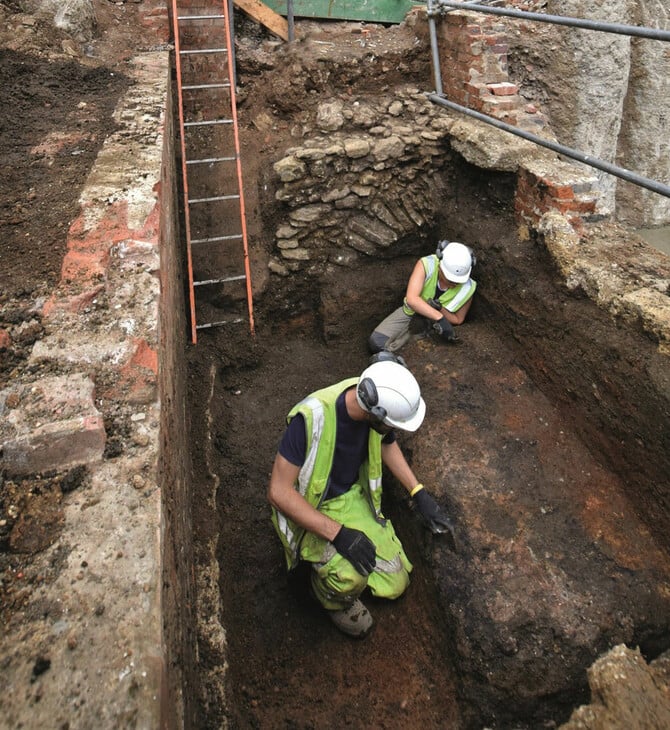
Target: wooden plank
[265, 16]
[372, 11]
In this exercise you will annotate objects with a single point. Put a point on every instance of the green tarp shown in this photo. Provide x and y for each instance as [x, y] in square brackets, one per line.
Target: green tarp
[372, 11]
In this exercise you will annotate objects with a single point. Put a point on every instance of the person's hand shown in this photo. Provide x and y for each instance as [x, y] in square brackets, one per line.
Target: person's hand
[445, 329]
[357, 548]
[434, 304]
[436, 520]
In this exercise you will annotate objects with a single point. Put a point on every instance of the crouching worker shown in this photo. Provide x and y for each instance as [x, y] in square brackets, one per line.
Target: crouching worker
[439, 290]
[325, 490]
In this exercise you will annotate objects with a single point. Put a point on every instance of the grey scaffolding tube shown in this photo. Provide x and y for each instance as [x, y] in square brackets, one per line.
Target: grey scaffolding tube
[643, 182]
[634, 30]
[438, 96]
[291, 20]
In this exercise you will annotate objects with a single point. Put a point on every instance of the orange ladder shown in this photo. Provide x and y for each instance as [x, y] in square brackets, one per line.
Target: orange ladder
[214, 214]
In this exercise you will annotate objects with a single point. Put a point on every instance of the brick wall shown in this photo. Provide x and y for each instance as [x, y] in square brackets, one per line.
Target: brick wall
[473, 51]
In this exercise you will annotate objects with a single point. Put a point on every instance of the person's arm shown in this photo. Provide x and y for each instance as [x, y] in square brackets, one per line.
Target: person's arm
[437, 522]
[284, 497]
[457, 317]
[413, 294]
[353, 544]
[395, 460]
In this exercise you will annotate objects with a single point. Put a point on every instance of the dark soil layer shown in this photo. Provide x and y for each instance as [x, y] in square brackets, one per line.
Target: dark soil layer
[53, 119]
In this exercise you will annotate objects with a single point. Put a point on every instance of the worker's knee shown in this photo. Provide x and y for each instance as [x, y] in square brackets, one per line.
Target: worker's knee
[337, 583]
[389, 586]
[377, 342]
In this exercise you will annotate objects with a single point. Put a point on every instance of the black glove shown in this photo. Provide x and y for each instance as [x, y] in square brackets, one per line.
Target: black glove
[445, 329]
[434, 304]
[357, 548]
[435, 519]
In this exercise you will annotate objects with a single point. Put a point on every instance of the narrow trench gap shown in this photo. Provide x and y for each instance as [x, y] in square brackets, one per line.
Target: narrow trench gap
[289, 667]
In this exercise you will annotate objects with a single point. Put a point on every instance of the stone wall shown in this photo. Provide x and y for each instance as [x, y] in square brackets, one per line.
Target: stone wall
[100, 378]
[365, 178]
[372, 173]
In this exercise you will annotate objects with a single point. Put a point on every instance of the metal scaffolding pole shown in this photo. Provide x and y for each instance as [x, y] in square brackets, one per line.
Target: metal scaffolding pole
[620, 172]
[291, 20]
[630, 30]
[437, 73]
[439, 7]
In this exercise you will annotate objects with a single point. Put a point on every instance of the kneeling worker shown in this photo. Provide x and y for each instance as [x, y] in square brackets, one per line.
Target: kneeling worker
[439, 290]
[325, 490]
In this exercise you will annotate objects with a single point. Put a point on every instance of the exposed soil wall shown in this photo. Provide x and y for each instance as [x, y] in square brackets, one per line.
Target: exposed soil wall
[174, 463]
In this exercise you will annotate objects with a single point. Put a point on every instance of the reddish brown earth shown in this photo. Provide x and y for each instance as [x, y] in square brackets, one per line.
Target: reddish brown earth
[287, 667]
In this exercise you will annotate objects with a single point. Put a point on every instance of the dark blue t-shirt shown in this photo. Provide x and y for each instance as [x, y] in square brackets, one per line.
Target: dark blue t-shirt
[351, 447]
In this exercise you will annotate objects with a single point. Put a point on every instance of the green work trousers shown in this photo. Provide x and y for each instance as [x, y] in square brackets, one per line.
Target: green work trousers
[335, 581]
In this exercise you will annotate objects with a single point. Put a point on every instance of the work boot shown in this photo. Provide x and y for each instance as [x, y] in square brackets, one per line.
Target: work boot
[354, 621]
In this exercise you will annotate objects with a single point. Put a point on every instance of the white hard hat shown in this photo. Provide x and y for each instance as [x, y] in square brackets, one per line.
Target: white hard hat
[390, 393]
[456, 263]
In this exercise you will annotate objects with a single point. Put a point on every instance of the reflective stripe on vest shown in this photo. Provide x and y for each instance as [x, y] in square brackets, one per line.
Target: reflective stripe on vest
[318, 420]
[319, 413]
[463, 293]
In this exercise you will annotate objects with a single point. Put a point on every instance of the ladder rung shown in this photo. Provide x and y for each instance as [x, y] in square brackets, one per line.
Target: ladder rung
[211, 200]
[190, 87]
[199, 17]
[218, 324]
[210, 159]
[219, 281]
[213, 239]
[202, 50]
[212, 121]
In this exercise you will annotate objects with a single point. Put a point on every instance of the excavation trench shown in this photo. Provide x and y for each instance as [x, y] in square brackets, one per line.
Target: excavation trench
[546, 437]
[541, 440]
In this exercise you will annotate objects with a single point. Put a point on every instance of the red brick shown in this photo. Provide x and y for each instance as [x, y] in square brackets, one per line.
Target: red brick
[502, 89]
[55, 425]
[562, 192]
[144, 356]
[584, 206]
[74, 303]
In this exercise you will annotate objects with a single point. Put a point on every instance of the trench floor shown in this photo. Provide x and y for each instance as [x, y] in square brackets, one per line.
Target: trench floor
[287, 666]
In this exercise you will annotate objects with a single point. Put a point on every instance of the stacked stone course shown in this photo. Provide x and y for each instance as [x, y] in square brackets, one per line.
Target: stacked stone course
[363, 188]
[368, 172]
